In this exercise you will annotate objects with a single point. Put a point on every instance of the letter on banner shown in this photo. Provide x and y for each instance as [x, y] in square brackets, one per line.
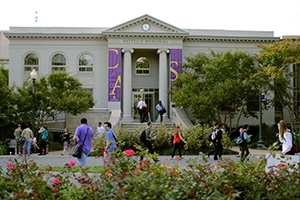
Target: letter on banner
[114, 75]
[175, 64]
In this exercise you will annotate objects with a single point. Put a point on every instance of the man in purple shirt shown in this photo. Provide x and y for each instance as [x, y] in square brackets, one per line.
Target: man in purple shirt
[83, 135]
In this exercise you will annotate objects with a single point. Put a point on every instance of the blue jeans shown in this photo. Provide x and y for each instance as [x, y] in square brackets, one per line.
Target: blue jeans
[82, 160]
[26, 147]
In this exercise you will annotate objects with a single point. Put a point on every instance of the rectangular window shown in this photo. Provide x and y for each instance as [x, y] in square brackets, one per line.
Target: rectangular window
[29, 68]
[58, 68]
[85, 69]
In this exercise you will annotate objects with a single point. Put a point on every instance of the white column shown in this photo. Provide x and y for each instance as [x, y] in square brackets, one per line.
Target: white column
[127, 84]
[163, 77]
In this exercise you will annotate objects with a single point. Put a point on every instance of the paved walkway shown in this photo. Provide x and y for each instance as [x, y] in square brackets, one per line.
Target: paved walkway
[254, 151]
[54, 158]
[57, 154]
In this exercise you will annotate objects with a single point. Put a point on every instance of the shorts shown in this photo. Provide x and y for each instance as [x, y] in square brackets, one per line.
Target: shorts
[66, 144]
[82, 160]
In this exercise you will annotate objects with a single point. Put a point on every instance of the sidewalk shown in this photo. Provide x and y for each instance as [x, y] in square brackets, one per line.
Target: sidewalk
[254, 151]
[57, 154]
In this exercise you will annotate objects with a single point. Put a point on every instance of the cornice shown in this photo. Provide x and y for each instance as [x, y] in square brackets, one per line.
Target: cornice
[232, 39]
[54, 36]
[181, 36]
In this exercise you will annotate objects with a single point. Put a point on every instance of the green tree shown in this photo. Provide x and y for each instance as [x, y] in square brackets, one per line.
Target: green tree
[281, 61]
[218, 84]
[56, 93]
[5, 99]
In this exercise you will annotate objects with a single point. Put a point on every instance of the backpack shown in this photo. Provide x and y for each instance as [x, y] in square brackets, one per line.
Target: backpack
[143, 136]
[294, 143]
[213, 134]
[241, 138]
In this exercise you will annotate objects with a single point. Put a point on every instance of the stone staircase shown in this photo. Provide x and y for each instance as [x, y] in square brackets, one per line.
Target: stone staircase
[134, 125]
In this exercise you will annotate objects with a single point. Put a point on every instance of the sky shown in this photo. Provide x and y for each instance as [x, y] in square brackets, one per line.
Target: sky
[282, 17]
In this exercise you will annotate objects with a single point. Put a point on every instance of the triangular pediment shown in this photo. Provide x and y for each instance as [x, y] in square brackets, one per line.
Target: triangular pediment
[145, 24]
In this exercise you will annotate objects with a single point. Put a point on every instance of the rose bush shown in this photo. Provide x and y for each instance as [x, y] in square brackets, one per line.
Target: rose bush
[129, 178]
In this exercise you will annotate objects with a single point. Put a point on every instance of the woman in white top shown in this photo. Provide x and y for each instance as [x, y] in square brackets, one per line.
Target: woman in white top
[286, 138]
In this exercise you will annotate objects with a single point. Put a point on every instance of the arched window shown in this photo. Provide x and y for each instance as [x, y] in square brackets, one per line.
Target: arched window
[31, 61]
[142, 66]
[86, 63]
[58, 62]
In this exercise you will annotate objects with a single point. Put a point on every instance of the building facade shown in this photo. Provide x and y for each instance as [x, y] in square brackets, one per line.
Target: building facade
[137, 59]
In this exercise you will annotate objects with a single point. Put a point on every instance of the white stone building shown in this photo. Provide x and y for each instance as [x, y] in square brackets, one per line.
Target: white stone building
[139, 58]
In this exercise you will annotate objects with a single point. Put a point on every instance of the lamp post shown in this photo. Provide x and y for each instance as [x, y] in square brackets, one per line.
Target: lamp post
[33, 76]
[262, 97]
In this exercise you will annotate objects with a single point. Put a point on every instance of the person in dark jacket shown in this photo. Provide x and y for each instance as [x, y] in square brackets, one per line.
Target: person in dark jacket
[218, 142]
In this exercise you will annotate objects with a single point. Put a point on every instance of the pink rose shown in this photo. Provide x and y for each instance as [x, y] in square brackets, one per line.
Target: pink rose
[129, 152]
[72, 163]
[10, 165]
[145, 163]
[56, 181]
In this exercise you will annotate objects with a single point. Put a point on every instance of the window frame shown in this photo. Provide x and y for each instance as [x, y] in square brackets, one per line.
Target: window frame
[28, 67]
[58, 67]
[143, 71]
[86, 68]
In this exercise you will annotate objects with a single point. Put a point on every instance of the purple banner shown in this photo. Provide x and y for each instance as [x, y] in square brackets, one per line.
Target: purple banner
[175, 63]
[114, 75]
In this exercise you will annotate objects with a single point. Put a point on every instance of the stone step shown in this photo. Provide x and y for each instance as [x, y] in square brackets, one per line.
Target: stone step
[137, 125]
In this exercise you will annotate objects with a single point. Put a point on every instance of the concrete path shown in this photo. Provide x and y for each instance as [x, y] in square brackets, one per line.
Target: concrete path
[55, 159]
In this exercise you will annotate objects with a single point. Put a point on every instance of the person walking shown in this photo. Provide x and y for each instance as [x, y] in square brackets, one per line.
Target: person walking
[243, 146]
[44, 140]
[161, 108]
[100, 129]
[286, 138]
[83, 136]
[17, 134]
[28, 134]
[213, 139]
[147, 142]
[111, 145]
[177, 138]
[218, 142]
[142, 109]
[66, 141]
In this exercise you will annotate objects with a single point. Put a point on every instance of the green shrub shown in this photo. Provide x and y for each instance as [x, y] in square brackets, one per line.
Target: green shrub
[55, 146]
[3, 149]
[196, 138]
[129, 178]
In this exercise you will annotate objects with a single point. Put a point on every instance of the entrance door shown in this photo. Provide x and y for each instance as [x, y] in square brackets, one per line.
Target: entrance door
[148, 97]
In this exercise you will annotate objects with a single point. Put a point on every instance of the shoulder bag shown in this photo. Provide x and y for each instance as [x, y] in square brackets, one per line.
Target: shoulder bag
[77, 150]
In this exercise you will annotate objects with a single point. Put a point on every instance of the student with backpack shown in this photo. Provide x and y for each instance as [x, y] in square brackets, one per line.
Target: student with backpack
[212, 139]
[146, 139]
[286, 138]
[245, 138]
[218, 142]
